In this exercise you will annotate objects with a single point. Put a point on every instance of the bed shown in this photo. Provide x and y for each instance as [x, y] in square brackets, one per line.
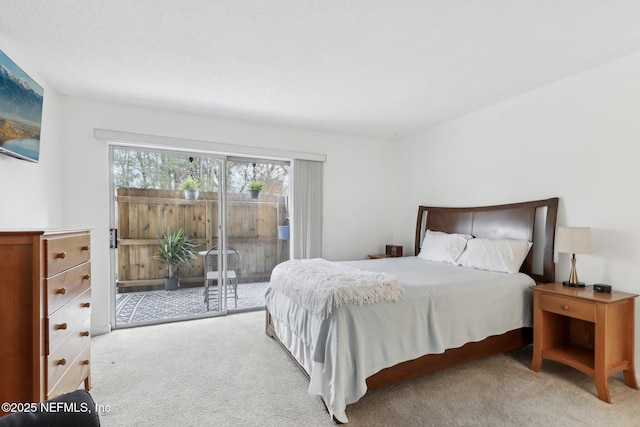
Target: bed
[445, 314]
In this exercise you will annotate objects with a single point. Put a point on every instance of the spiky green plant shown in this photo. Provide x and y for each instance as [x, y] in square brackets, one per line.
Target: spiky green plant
[175, 248]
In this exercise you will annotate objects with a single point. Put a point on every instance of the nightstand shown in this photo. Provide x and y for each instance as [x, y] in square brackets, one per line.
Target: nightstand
[589, 331]
[391, 251]
[379, 256]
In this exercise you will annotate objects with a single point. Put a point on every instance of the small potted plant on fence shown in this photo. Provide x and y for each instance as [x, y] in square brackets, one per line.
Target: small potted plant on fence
[254, 188]
[190, 187]
[174, 248]
[283, 230]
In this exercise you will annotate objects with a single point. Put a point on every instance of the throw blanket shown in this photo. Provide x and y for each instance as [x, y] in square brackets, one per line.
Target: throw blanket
[319, 285]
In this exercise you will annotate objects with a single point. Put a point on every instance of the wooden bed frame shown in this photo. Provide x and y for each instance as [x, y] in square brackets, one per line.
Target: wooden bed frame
[515, 221]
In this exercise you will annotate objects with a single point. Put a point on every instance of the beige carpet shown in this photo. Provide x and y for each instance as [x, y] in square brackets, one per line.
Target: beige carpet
[226, 372]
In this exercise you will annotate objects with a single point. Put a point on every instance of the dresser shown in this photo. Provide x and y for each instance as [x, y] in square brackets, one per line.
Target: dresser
[45, 314]
[589, 331]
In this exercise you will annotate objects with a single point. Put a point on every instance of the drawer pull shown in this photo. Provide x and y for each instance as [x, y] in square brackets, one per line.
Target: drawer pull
[61, 255]
[85, 248]
[85, 304]
[60, 326]
[565, 307]
[86, 277]
[85, 362]
[84, 333]
[61, 291]
[61, 362]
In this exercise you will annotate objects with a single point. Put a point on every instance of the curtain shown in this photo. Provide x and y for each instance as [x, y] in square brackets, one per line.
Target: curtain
[307, 185]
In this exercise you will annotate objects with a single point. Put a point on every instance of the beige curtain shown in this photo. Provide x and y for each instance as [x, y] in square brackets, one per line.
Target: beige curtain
[307, 195]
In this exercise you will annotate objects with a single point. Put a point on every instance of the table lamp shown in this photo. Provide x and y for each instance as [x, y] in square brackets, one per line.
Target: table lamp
[574, 240]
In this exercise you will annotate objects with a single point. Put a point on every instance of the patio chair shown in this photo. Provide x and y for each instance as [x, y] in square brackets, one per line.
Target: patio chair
[211, 288]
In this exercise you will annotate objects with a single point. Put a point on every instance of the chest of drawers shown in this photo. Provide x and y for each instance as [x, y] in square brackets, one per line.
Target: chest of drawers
[45, 313]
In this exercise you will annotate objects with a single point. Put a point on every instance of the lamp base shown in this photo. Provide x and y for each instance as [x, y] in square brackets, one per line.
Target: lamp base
[573, 285]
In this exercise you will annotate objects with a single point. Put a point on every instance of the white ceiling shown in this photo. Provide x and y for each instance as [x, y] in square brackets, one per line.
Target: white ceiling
[376, 68]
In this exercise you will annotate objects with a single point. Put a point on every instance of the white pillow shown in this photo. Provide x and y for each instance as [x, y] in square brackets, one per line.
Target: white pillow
[443, 247]
[502, 255]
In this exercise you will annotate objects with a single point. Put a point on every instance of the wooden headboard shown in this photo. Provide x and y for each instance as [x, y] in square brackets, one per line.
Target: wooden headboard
[534, 221]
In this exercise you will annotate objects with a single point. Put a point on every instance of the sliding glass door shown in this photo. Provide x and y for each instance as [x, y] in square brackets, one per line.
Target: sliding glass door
[191, 236]
[257, 224]
[166, 210]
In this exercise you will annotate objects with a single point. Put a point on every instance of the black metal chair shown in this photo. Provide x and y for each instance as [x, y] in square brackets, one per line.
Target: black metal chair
[211, 288]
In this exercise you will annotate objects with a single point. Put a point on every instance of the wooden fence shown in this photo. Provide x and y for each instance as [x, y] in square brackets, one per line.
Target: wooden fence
[145, 214]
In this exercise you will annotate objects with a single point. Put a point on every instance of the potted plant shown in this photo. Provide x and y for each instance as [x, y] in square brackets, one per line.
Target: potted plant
[255, 187]
[283, 230]
[174, 248]
[190, 187]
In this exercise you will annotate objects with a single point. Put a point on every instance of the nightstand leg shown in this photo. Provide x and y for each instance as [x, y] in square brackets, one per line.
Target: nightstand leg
[630, 378]
[602, 386]
[630, 374]
[536, 361]
[600, 355]
[538, 324]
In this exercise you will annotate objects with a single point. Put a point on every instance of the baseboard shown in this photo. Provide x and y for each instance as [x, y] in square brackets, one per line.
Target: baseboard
[100, 329]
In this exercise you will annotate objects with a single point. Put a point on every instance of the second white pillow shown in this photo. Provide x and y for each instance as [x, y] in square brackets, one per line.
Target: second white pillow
[503, 255]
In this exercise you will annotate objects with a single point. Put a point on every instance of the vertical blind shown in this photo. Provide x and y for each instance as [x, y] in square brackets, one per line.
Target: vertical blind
[308, 179]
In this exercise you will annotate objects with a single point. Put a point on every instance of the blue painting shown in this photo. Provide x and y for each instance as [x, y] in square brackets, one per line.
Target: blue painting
[20, 111]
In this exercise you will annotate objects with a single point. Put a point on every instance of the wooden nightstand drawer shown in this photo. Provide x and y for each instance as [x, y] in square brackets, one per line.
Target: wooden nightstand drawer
[568, 307]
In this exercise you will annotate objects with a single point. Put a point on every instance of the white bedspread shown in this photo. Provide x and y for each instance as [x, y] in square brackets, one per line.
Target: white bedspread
[320, 285]
[443, 306]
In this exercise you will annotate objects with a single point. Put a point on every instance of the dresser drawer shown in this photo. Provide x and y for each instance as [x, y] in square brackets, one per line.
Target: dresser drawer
[67, 285]
[70, 379]
[64, 252]
[72, 319]
[568, 307]
[64, 357]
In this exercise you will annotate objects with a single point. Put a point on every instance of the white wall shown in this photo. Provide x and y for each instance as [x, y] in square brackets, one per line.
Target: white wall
[29, 194]
[577, 139]
[355, 182]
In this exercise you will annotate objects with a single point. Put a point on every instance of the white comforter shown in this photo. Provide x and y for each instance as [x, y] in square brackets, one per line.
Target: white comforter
[320, 285]
[443, 306]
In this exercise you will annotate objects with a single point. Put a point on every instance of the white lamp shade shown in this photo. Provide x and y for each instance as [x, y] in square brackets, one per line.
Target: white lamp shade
[574, 240]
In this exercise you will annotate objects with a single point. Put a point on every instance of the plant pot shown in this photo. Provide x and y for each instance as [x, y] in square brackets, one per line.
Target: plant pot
[283, 232]
[254, 193]
[191, 194]
[171, 284]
